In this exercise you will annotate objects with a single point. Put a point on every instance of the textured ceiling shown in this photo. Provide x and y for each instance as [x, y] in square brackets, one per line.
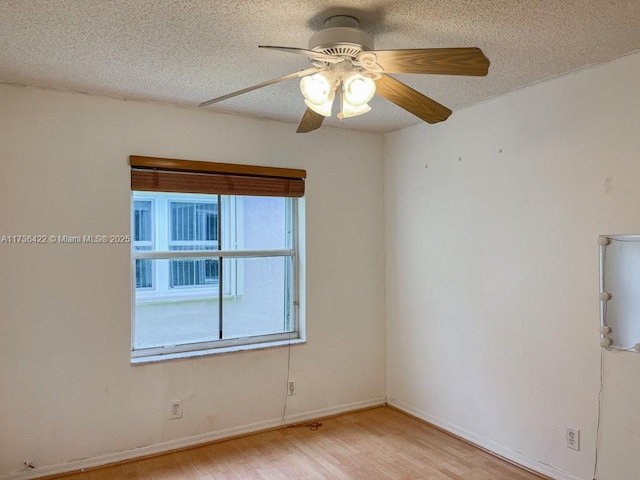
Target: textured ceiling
[184, 52]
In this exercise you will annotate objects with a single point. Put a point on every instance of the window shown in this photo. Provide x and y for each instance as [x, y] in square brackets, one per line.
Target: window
[212, 271]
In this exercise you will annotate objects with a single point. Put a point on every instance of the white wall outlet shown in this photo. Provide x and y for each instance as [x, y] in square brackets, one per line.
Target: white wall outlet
[572, 438]
[175, 409]
[291, 387]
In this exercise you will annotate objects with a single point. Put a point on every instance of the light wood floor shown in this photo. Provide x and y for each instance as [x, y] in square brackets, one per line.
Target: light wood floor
[379, 443]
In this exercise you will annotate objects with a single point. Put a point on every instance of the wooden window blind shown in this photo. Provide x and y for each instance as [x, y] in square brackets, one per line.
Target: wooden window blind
[187, 176]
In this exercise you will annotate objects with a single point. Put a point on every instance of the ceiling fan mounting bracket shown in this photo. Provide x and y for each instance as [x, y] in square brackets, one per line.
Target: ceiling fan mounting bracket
[342, 37]
[341, 21]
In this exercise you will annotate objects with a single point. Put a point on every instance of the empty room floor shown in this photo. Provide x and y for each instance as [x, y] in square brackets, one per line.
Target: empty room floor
[379, 443]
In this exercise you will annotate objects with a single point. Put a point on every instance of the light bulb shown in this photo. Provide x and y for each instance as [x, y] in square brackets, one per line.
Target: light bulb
[358, 89]
[319, 87]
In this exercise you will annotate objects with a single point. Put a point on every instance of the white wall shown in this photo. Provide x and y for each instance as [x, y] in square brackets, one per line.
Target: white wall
[67, 389]
[492, 269]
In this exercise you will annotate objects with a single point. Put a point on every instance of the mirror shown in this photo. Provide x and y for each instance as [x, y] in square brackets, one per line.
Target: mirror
[620, 291]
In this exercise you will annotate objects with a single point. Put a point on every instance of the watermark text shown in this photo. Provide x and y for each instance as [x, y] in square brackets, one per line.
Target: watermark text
[57, 238]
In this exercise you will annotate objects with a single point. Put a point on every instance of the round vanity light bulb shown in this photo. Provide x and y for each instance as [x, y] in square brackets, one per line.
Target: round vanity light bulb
[357, 88]
[605, 330]
[318, 88]
[604, 241]
[605, 341]
[605, 296]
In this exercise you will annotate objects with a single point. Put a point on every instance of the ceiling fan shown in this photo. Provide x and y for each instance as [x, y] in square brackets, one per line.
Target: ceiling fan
[345, 65]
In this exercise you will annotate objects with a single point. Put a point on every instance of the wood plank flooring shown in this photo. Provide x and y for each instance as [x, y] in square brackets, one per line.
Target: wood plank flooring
[379, 443]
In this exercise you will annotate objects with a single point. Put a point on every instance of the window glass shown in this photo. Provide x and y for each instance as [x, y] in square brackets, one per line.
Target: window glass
[165, 324]
[266, 224]
[265, 306]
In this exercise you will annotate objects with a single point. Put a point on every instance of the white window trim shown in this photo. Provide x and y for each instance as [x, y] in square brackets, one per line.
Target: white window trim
[217, 350]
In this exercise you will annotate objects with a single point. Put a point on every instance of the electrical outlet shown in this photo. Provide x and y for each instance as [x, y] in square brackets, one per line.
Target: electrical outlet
[175, 409]
[291, 390]
[572, 438]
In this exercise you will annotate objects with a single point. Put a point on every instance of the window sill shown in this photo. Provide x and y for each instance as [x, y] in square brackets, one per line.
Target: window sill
[214, 351]
[161, 299]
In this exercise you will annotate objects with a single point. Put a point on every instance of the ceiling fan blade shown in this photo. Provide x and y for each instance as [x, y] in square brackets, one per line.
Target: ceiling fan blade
[411, 100]
[301, 73]
[310, 121]
[439, 61]
[307, 53]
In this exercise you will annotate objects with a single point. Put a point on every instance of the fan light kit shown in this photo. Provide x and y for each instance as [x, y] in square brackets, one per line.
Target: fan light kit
[346, 65]
[356, 90]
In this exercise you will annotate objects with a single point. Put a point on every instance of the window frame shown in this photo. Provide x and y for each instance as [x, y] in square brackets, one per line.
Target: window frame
[221, 345]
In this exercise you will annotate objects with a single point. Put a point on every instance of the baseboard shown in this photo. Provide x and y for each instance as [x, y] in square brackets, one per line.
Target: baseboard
[486, 444]
[182, 443]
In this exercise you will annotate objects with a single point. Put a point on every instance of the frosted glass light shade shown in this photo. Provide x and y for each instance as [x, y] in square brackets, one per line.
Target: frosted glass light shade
[358, 89]
[318, 88]
[349, 110]
[323, 109]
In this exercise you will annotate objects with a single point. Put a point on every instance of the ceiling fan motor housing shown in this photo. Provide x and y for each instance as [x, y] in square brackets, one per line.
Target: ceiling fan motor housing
[341, 37]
